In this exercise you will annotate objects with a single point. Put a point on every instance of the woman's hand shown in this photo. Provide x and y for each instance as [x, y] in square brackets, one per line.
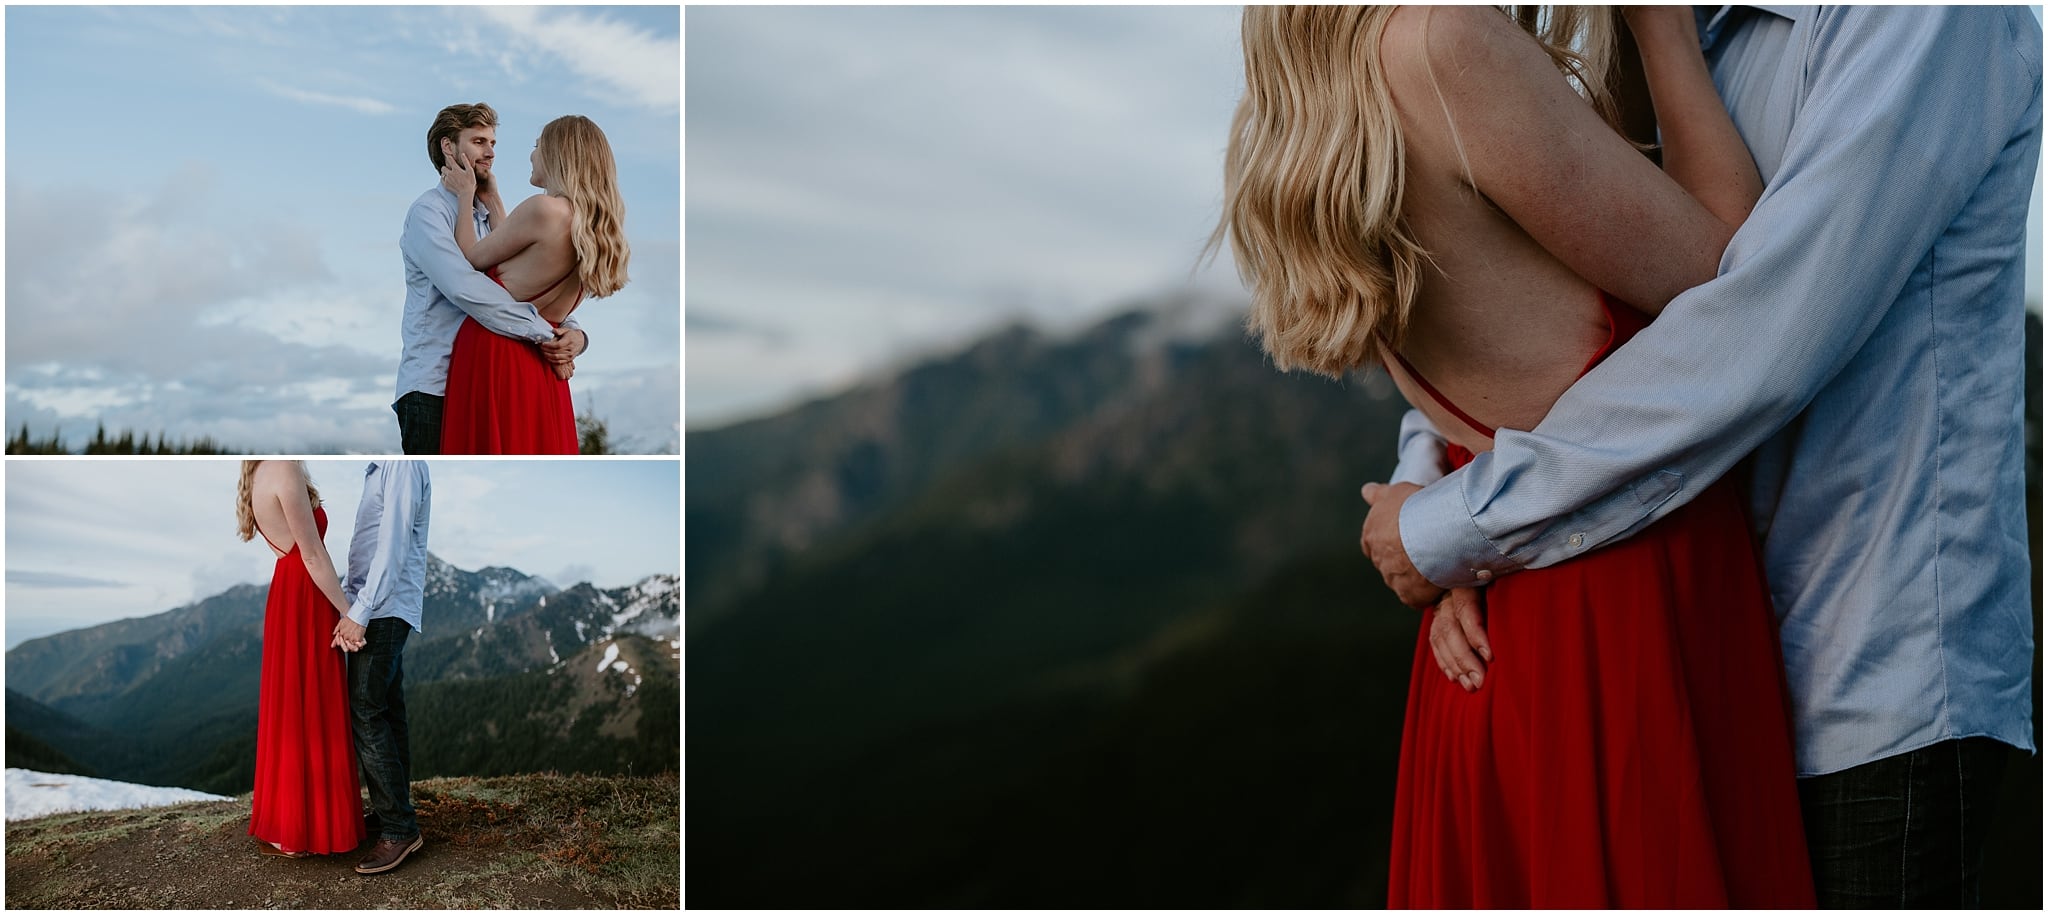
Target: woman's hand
[565, 370]
[457, 176]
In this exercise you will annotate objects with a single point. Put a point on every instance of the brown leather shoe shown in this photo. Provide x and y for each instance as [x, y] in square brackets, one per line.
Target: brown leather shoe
[388, 853]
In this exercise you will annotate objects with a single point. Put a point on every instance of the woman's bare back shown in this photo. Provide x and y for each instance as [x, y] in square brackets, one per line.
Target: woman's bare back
[528, 273]
[1500, 327]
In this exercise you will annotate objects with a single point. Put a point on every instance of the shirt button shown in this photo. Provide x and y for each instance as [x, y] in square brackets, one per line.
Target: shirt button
[1483, 574]
[1578, 540]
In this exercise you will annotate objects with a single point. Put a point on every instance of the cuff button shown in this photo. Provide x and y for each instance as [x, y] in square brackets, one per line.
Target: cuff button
[1577, 540]
[1483, 574]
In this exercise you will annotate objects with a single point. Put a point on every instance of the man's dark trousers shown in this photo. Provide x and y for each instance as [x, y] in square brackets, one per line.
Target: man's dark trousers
[1906, 831]
[376, 699]
[419, 422]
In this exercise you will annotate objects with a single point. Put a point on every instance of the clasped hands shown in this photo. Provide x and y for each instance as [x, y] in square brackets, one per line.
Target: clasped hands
[348, 635]
[1457, 632]
[561, 352]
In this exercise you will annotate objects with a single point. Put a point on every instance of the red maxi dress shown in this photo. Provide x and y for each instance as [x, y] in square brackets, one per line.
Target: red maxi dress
[1631, 743]
[502, 397]
[306, 790]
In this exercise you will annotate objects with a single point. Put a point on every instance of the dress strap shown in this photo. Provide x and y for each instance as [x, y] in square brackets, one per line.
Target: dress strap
[1434, 394]
[498, 278]
[551, 286]
[1622, 323]
[273, 543]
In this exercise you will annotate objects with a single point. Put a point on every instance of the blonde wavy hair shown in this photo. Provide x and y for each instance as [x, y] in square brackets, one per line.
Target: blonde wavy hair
[577, 162]
[1313, 175]
[245, 504]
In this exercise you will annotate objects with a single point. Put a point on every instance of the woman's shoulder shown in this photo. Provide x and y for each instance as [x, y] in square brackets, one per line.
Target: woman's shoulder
[1451, 47]
[548, 207]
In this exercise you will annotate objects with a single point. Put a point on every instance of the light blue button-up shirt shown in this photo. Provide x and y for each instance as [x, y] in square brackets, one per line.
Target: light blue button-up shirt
[441, 287]
[1864, 341]
[387, 554]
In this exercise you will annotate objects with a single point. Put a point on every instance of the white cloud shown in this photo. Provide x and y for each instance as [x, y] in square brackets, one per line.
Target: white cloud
[616, 56]
[356, 103]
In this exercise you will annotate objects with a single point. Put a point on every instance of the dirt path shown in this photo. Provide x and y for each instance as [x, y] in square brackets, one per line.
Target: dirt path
[478, 854]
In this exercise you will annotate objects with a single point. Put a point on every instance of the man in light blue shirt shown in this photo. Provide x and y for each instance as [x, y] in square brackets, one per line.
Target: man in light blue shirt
[386, 583]
[1863, 346]
[441, 288]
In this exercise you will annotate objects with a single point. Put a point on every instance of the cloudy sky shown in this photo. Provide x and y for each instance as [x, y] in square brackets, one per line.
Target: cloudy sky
[204, 203]
[94, 541]
[868, 184]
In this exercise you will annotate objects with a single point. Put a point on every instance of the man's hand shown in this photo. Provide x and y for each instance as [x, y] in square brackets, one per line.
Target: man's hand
[1380, 540]
[456, 175]
[569, 343]
[1457, 635]
[348, 636]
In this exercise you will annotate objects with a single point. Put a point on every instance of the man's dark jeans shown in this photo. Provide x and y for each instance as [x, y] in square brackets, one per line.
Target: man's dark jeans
[1906, 831]
[376, 699]
[419, 422]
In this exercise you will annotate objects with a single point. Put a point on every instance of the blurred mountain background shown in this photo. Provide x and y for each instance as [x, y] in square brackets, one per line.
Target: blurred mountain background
[1072, 621]
[511, 675]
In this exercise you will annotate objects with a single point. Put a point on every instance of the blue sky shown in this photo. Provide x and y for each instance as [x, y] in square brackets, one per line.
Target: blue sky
[868, 185]
[94, 541]
[203, 208]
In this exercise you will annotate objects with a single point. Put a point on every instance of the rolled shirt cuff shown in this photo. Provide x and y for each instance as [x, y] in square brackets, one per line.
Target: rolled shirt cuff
[1443, 541]
[359, 614]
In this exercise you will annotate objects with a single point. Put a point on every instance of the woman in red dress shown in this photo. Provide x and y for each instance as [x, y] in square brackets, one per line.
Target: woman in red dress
[306, 800]
[1446, 192]
[552, 250]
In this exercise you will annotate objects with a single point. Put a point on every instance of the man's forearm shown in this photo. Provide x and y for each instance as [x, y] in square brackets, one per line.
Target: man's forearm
[432, 247]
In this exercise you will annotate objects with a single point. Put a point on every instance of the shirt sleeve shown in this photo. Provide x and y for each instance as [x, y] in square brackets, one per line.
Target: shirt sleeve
[429, 240]
[1904, 112]
[1420, 452]
[394, 527]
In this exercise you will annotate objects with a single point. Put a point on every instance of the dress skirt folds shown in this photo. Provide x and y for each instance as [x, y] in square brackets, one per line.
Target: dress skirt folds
[306, 790]
[1630, 746]
[503, 398]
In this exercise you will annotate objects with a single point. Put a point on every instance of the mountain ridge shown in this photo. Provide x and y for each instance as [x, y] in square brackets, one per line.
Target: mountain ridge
[170, 699]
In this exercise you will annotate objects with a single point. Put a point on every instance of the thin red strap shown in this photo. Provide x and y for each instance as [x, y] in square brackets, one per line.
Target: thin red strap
[1438, 396]
[551, 286]
[266, 539]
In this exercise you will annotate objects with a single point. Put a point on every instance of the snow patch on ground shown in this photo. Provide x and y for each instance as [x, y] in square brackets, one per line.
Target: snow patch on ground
[611, 653]
[34, 794]
[553, 658]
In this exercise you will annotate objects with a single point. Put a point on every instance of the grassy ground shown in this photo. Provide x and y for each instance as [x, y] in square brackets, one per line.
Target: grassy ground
[525, 841]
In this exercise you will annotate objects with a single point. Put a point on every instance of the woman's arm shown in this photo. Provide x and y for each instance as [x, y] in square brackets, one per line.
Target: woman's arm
[534, 219]
[298, 518]
[1702, 150]
[1481, 101]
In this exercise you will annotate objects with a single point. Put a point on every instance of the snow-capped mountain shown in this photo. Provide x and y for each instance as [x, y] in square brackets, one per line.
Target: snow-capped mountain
[457, 601]
[553, 627]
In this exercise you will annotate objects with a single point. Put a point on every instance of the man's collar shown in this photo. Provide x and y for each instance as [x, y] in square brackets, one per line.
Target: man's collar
[1711, 19]
[476, 205]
